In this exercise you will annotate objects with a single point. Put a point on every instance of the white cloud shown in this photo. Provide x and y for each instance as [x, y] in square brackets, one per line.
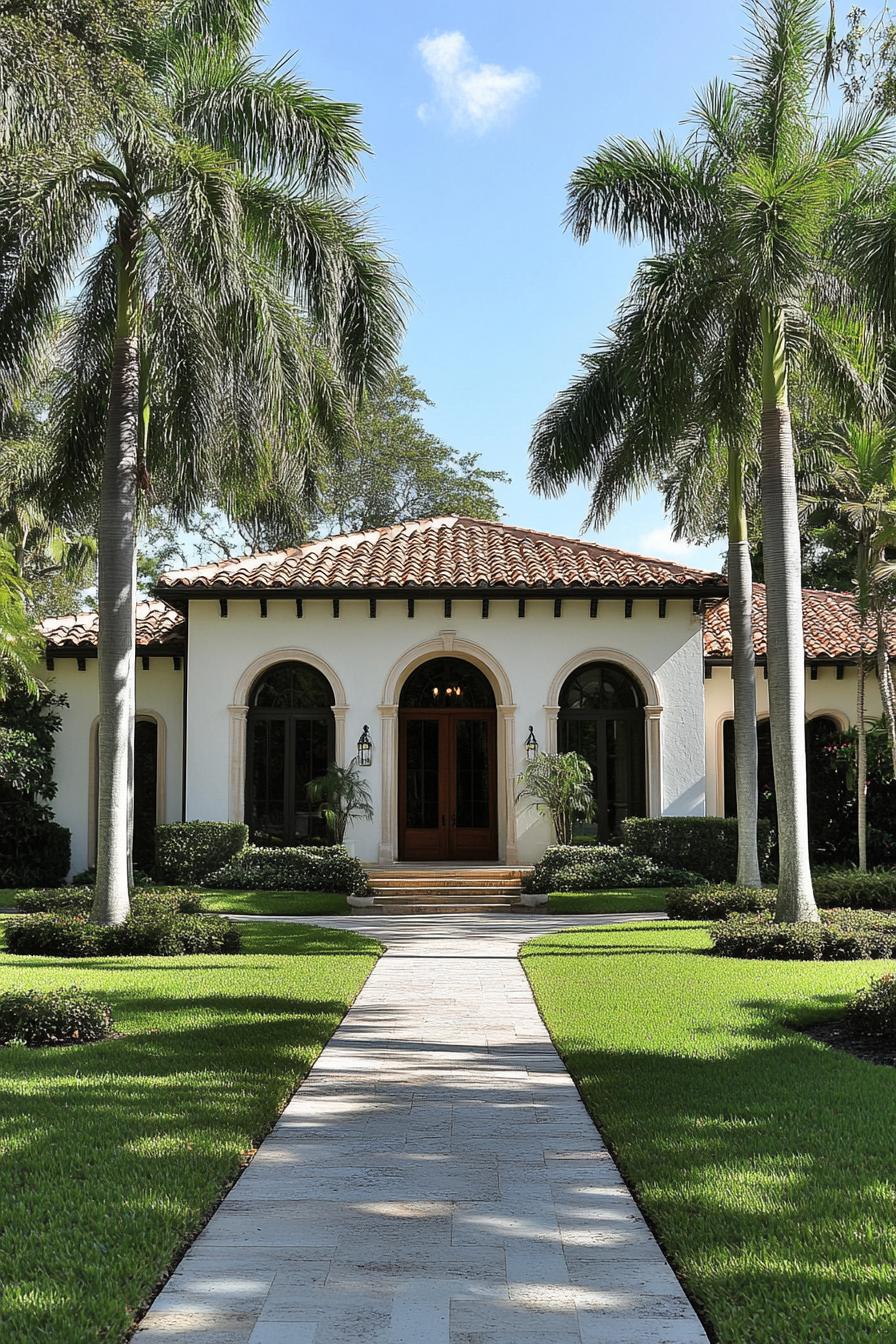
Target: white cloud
[473, 95]
[658, 542]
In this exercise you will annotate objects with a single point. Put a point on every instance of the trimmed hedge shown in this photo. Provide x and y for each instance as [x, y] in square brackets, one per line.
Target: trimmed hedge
[873, 1010]
[842, 935]
[53, 1017]
[705, 845]
[187, 851]
[79, 900]
[299, 868]
[143, 934]
[601, 868]
[858, 891]
[41, 856]
[718, 902]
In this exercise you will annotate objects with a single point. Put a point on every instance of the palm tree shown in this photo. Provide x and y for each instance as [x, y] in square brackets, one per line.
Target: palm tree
[231, 304]
[858, 468]
[771, 234]
[561, 785]
[19, 644]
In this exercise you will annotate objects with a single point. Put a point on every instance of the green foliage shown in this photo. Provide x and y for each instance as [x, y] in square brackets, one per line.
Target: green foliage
[705, 845]
[599, 867]
[79, 900]
[275, 902]
[875, 890]
[718, 902]
[187, 851]
[146, 932]
[873, 1010]
[33, 848]
[342, 796]
[624, 901]
[842, 935]
[293, 868]
[758, 1156]
[53, 1017]
[560, 785]
[127, 1148]
[20, 644]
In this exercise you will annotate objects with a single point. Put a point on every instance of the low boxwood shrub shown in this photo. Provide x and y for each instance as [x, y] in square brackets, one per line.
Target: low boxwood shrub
[873, 1010]
[860, 891]
[600, 868]
[842, 935]
[705, 845]
[44, 900]
[296, 868]
[53, 1017]
[718, 901]
[145, 933]
[187, 851]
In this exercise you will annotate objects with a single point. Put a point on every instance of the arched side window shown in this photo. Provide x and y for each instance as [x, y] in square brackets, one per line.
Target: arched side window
[602, 718]
[290, 738]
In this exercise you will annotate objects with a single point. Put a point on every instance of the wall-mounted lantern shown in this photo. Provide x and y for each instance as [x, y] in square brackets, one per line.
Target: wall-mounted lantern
[365, 747]
[531, 745]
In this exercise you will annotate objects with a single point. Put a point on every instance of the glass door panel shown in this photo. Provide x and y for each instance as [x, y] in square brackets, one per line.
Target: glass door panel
[421, 804]
[473, 830]
[268, 779]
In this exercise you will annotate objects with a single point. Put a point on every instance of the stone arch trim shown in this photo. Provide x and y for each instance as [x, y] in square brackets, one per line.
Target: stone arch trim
[447, 642]
[92, 771]
[840, 717]
[238, 712]
[653, 708]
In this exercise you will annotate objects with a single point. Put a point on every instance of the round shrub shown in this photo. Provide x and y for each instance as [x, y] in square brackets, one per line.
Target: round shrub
[873, 1010]
[718, 902]
[146, 933]
[293, 868]
[79, 900]
[600, 868]
[53, 1017]
[859, 891]
[187, 851]
[842, 935]
[41, 900]
[705, 845]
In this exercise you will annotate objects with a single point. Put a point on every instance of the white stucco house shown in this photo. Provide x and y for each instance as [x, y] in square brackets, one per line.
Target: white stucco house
[434, 650]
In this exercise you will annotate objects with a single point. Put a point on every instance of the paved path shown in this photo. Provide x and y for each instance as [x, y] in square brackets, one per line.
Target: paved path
[435, 1180]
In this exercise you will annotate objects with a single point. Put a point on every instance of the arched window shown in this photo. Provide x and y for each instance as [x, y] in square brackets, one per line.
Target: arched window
[602, 718]
[290, 736]
[146, 786]
[447, 683]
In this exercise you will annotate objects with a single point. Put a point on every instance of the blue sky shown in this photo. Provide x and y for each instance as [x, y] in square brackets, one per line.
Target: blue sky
[467, 184]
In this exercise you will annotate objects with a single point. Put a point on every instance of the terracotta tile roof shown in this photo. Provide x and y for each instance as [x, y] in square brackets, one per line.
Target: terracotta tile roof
[830, 626]
[157, 625]
[448, 553]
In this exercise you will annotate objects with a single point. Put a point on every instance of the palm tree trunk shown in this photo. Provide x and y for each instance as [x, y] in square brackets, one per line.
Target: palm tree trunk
[861, 766]
[116, 600]
[743, 660]
[786, 650]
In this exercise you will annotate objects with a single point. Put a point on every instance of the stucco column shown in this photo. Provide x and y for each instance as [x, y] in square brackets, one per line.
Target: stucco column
[388, 781]
[654, 761]
[339, 713]
[238, 715]
[507, 769]
[551, 713]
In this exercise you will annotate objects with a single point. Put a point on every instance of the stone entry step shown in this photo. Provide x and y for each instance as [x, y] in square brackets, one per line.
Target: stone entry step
[443, 890]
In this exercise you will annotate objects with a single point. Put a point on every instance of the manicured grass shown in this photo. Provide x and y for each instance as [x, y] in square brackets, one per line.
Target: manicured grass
[114, 1154]
[277, 902]
[622, 902]
[763, 1159]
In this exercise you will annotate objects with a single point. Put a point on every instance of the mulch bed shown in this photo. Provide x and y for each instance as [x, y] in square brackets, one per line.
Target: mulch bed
[840, 1034]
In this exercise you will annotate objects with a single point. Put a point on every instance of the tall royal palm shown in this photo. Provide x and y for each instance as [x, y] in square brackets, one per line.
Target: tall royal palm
[772, 230]
[230, 301]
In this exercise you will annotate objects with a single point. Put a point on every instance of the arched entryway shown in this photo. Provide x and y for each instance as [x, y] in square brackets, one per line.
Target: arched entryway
[290, 740]
[601, 717]
[447, 769]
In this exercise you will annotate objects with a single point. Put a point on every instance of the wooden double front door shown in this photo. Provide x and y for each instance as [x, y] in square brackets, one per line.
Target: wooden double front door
[447, 784]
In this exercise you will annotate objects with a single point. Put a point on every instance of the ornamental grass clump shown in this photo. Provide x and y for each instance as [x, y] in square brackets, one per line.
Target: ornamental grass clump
[53, 1017]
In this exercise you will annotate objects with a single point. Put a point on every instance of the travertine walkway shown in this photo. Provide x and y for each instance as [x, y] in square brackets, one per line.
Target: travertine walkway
[435, 1180]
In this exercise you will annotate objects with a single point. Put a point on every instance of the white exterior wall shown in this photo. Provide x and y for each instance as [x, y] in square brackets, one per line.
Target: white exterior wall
[159, 696]
[368, 658]
[825, 695]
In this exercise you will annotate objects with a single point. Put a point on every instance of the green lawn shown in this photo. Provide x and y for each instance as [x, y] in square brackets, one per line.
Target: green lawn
[763, 1159]
[114, 1154]
[623, 901]
[277, 902]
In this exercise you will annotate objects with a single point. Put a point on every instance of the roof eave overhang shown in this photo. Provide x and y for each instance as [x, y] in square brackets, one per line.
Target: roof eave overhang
[178, 597]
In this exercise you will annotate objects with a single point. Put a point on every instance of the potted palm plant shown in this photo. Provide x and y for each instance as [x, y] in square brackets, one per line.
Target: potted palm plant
[560, 785]
[341, 795]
